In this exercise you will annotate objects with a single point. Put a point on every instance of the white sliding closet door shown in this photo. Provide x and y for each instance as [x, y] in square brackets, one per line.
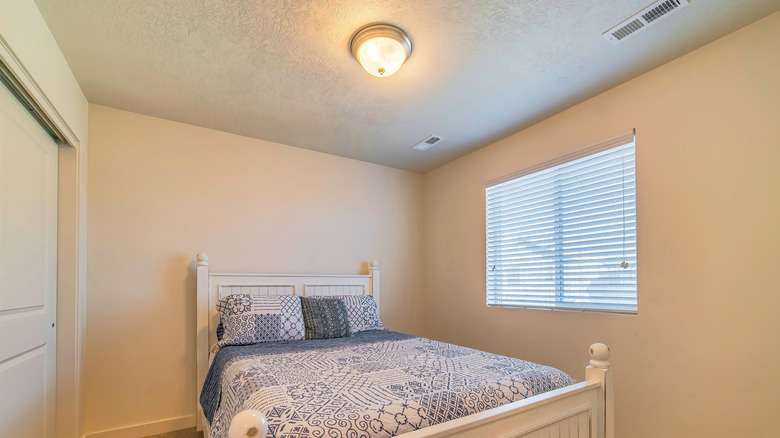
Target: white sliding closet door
[28, 273]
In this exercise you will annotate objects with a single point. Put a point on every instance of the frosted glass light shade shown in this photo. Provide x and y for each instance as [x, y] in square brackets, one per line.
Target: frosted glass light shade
[381, 56]
[381, 48]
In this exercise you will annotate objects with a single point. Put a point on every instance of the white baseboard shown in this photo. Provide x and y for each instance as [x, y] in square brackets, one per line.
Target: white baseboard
[146, 429]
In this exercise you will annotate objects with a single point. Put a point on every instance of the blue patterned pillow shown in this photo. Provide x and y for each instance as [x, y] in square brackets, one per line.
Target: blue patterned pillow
[370, 319]
[362, 311]
[249, 319]
[325, 318]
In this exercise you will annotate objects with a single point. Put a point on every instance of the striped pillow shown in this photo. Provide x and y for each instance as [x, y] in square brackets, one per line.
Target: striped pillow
[325, 318]
[361, 310]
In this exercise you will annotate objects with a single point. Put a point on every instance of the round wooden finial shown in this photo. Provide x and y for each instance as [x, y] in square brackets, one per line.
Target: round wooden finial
[374, 264]
[599, 356]
[203, 259]
[249, 423]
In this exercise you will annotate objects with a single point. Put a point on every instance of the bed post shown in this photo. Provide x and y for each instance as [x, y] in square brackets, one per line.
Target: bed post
[373, 271]
[599, 369]
[202, 338]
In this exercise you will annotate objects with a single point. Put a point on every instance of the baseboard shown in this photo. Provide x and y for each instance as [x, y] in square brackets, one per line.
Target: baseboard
[146, 429]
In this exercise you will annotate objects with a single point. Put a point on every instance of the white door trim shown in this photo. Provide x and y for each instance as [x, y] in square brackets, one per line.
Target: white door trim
[31, 88]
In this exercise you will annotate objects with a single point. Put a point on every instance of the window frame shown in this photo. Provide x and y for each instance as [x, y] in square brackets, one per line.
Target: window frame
[592, 149]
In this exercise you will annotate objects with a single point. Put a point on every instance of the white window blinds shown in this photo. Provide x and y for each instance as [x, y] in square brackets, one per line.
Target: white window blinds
[564, 237]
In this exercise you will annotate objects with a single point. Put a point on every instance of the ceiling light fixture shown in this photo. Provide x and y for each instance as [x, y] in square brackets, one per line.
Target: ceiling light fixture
[380, 48]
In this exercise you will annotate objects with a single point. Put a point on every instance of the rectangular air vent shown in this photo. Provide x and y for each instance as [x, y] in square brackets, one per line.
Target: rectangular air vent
[644, 18]
[427, 143]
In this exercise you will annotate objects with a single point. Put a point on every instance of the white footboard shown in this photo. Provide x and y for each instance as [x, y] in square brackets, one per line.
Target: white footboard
[582, 410]
[567, 412]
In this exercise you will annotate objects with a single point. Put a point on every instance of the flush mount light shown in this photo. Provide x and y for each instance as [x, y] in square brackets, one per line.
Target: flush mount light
[380, 48]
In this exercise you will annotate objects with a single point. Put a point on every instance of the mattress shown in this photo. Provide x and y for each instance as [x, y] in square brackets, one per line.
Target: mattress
[376, 383]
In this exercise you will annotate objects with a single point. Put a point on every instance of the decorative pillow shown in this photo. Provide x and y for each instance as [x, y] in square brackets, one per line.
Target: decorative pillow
[371, 320]
[325, 318]
[249, 319]
[220, 330]
[362, 311]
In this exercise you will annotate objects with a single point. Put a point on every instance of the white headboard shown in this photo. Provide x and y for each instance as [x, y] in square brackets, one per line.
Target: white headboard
[213, 286]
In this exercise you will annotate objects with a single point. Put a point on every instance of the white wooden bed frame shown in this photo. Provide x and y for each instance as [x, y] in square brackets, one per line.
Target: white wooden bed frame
[582, 410]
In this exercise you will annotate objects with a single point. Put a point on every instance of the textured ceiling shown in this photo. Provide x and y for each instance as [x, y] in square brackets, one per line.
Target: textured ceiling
[281, 70]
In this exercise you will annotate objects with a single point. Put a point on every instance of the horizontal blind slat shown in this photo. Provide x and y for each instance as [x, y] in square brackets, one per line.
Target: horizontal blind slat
[563, 193]
[583, 215]
[552, 296]
[603, 224]
[594, 162]
[579, 186]
[555, 299]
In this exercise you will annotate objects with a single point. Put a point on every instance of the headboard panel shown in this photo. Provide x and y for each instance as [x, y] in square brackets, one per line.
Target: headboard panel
[281, 289]
[213, 286]
[329, 290]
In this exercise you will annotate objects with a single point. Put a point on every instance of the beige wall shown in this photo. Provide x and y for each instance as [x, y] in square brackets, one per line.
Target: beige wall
[32, 48]
[161, 191]
[701, 357]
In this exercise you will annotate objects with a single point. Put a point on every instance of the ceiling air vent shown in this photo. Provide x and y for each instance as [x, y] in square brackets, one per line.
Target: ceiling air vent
[427, 143]
[644, 18]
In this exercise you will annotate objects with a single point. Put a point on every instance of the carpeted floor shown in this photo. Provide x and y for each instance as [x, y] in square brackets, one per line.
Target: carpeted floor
[186, 433]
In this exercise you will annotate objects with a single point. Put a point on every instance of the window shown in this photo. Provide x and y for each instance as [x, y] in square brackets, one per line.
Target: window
[563, 235]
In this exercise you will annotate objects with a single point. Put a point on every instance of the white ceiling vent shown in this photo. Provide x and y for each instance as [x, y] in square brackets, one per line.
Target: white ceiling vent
[428, 143]
[644, 18]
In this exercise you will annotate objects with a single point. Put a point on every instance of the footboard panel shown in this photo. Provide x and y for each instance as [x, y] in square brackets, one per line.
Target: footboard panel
[576, 426]
[569, 412]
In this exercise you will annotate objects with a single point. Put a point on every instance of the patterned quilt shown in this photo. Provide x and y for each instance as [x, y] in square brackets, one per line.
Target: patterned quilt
[374, 384]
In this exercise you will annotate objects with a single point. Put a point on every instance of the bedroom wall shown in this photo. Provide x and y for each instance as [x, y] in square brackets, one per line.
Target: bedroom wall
[161, 191]
[700, 358]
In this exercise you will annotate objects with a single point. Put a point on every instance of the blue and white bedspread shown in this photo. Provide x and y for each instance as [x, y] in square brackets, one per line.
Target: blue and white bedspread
[374, 384]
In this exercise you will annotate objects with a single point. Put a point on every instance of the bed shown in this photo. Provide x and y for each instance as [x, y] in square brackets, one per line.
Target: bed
[313, 388]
